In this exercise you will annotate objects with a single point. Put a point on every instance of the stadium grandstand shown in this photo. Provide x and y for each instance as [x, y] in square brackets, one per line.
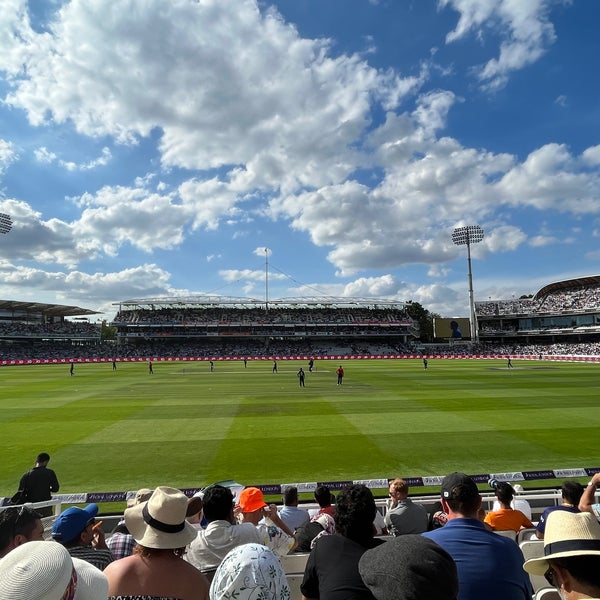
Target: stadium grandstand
[563, 312]
[218, 325]
[34, 328]
[562, 318]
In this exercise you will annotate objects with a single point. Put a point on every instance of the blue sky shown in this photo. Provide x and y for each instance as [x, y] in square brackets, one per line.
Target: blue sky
[152, 148]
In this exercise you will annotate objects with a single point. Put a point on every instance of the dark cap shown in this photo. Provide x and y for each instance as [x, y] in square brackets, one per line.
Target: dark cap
[458, 486]
[409, 567]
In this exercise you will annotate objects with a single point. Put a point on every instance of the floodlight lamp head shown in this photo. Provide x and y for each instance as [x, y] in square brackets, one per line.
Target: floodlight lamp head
[470, 234]
[5, 223]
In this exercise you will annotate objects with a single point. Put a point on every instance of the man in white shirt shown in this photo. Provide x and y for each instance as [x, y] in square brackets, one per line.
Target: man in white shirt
[223, 533]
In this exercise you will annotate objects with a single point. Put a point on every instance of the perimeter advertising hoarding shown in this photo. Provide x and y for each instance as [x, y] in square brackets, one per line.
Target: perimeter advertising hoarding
[458, 328]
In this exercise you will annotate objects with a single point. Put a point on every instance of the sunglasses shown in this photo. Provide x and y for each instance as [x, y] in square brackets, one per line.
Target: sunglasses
[24, 511]
[550, 577]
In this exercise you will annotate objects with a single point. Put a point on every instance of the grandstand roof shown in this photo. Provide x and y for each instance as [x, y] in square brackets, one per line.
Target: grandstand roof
[55, 310]
[568, 284]
[298, 302]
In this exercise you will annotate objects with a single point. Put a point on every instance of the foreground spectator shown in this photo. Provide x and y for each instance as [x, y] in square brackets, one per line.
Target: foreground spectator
[222, 533]
[37, 571]
[403, 515]
[571, 561]
[571, 492]
[506, 518]
[410, 567]
[332, 567]
[91, 581]
[77, 530]
[156, 568]
[17, 526]
[489, 566]
[250, 572]
[42, 570]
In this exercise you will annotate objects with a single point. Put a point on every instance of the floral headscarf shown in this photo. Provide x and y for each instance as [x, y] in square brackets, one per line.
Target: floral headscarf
[250, 572]
[327, 522]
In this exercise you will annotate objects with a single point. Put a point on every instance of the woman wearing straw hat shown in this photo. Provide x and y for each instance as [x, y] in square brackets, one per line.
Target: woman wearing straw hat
[571, 561]
[157, 568]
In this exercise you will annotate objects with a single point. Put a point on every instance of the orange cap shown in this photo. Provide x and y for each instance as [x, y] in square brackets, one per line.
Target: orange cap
[251, 499]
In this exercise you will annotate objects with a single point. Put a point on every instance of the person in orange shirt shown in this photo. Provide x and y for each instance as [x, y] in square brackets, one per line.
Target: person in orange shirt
[506, 518]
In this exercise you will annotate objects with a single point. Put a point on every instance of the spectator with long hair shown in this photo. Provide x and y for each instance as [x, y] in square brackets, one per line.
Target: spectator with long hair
[332, 567]
[157, 568]
[506, 517]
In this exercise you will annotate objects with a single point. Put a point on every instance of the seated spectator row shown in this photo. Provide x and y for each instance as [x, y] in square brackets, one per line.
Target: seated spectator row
[166, 550]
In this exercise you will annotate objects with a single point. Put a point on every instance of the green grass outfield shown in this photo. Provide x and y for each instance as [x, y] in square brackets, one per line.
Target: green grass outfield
[186, 427]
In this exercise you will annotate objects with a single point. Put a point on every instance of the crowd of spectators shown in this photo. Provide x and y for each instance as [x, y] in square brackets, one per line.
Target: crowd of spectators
[238, 350]
[526, 350]
[233, 332]
[206, 348]
[559, 301]
[256, 316]
[243, 548]
[64, 329]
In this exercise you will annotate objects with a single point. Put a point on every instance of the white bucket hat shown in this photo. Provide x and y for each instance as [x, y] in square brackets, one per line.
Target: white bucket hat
[91, 581]
[35, 571]
[160, 521]
[567, 534]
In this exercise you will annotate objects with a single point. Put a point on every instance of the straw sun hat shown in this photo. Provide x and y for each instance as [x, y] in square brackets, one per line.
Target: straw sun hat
[160, 521]
[567, 534]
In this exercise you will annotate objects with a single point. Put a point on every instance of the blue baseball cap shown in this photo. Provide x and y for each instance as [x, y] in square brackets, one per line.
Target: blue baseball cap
[71, 522]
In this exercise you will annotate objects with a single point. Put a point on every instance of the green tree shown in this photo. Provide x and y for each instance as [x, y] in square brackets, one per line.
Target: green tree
[423, 317]
[108, 332]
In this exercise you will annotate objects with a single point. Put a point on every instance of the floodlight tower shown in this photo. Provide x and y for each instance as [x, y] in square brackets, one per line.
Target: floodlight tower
[266, 279]
[465, 236]
[5, 223]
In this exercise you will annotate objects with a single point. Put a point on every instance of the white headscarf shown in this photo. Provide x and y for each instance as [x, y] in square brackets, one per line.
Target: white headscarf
[250, 572]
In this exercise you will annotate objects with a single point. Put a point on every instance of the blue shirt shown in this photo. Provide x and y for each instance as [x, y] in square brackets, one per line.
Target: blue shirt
[541, 526]
[489, 566]
[294, 517]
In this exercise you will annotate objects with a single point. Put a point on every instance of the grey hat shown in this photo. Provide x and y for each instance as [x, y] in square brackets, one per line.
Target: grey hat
[409, 567]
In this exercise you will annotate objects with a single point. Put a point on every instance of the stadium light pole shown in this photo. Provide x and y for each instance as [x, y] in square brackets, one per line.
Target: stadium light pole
[266, 279]
[5, 223]
[465, 236]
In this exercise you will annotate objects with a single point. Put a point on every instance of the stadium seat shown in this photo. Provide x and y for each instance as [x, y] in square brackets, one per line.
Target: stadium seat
[294, 563]
[547, 593]
[294, 581]
[509, 533]
[525, 535]
[534, 549]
